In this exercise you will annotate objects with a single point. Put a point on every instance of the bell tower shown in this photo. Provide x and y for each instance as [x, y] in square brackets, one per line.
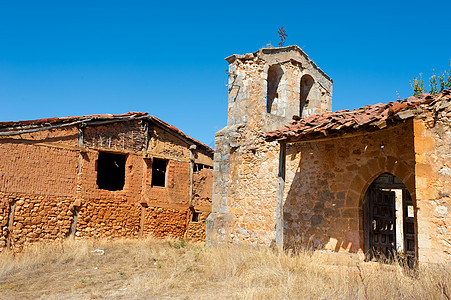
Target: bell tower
[266, 89]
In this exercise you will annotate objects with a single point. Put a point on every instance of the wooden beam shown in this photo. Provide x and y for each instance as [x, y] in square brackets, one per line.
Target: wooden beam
[280, 190]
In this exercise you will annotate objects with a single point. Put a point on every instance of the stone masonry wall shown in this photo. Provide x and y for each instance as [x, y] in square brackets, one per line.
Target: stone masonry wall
[433, 182]
[35, 218]
[323, 207]
[245, 167]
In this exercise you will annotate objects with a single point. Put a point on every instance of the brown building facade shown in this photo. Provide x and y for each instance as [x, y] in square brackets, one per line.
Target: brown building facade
[129, 175]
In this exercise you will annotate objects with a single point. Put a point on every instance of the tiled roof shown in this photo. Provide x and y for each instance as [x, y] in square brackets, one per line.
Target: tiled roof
[49, 121]
[368, 118]
[12, 127]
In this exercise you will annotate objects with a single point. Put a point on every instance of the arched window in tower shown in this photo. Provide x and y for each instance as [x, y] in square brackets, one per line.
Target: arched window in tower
[306, 86]
[275, 74]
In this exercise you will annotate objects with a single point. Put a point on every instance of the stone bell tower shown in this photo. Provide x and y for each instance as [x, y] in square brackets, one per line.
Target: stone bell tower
[266, 90]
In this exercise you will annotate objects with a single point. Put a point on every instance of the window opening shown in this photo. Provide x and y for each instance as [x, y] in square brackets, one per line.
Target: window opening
[275, 74]
[111, 171]
[197, 167]
[159, 167]
[195, 217]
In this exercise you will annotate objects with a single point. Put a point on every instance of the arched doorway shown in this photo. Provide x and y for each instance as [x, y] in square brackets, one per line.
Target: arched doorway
[389, 219]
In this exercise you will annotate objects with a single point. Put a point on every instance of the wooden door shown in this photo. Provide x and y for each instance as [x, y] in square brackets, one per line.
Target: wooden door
[383, 224]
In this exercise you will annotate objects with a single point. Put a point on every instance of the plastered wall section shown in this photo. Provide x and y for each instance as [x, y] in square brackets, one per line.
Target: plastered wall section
[323, 206]
[433, 182]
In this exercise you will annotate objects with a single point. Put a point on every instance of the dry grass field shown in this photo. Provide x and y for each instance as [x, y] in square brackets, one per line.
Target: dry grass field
[157, 269]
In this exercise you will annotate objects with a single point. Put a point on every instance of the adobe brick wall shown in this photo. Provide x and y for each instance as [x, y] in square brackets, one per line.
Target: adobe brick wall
[37, 169]
[202, 183]
[49, 181]
[177, 186]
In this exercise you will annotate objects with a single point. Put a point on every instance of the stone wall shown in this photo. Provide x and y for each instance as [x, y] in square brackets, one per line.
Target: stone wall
[34, 218]
[245, 166]
[433, 182]
[324, 205]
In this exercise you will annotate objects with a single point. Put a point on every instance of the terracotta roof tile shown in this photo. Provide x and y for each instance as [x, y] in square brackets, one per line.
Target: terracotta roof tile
[12, 126]
[368, 117]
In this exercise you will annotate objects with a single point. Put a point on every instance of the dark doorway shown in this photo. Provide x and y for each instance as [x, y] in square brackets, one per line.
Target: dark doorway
[389, 221]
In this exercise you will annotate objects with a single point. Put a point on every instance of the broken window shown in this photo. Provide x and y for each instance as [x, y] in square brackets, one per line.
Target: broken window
[195, 217]
[197, 167]
[111, 171]
[275, 74]
[306, 85]
[159, 167]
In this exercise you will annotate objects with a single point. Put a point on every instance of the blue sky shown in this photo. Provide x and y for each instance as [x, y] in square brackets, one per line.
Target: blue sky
[63, 58]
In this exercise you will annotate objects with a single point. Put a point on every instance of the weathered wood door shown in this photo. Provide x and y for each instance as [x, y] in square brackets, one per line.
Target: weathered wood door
[383, 223]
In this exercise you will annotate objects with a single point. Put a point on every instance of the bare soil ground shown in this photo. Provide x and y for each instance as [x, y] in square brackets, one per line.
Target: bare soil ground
[165, 269]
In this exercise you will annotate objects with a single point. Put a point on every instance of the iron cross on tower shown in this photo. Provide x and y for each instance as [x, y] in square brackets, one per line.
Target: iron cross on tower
[282, 34]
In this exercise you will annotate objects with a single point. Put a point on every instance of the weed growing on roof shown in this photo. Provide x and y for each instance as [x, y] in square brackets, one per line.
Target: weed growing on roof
[437, 83]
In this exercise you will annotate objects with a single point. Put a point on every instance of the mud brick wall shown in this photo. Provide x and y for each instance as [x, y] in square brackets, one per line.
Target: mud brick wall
[323, 206]
[433, 183]
[40, 179]
[202, 184]
[37, 169]
[177, 184]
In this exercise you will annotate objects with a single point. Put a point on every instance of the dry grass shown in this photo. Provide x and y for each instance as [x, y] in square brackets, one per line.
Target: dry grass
[149, 269]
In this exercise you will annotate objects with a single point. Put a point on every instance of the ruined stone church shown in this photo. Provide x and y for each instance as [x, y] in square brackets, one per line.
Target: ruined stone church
[375, 180]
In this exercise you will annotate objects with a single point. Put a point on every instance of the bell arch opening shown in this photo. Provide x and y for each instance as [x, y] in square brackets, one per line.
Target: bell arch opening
[389, 220]
[275, 74]
[307, 82]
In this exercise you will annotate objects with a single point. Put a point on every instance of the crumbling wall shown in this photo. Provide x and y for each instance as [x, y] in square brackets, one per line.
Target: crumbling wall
[433, 182]
[120, 136]
[49, 181]
[202, 183]
[37, 184]
[323, 207]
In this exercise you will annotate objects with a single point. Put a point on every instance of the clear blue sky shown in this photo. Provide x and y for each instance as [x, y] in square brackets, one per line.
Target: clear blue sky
[62, 58]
